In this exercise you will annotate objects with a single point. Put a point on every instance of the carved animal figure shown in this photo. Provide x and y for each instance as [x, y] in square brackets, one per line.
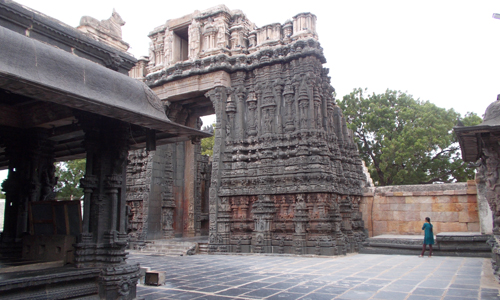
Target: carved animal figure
[111, 26]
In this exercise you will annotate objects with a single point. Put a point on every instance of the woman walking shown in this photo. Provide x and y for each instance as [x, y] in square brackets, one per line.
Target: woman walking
[428, 237]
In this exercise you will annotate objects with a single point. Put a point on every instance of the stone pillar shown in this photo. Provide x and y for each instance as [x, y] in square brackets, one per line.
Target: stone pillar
[31, 178]
[190, 182]
[484, 211]
[102, 244]
[218, 96]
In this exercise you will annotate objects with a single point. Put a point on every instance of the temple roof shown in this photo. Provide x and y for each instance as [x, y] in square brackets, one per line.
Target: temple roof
[470, 137]
[32, 71]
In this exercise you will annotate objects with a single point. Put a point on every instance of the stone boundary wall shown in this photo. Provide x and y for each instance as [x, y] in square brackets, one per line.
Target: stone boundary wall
[402, 210]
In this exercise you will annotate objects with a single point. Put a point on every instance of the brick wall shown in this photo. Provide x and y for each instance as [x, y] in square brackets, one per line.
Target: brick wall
[402, 209]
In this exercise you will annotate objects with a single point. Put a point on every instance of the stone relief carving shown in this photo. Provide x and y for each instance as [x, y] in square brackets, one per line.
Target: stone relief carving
[194, 39]
[285, 170]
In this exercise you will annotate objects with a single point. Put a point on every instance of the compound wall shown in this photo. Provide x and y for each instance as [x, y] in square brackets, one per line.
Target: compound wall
[402, 210]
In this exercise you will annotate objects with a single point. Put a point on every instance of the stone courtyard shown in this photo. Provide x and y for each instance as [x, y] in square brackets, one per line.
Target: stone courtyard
[355, 276]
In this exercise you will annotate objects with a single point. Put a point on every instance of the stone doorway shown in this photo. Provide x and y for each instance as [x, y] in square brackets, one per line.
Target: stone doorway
[167, 189]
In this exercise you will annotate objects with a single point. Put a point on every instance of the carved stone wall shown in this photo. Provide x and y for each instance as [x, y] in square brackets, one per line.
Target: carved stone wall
[490, 170]
[480, 145]
[139, 171]
[286, 175]
[158, 206]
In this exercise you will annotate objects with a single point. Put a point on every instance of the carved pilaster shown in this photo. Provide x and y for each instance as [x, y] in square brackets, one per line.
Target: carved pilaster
[252, 106]
[263, 214]
[218, 96]
[288, 94]
[300, 220]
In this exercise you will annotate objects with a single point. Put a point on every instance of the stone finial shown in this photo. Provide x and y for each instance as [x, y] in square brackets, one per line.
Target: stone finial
[493, 111]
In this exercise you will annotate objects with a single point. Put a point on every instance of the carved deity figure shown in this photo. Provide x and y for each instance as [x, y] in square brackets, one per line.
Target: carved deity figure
[252, 107]
[267, 120]
[303, 105]
[290, 110]
[168, 43]
[168, 219]
[317, 114]
[221, 37]
[194, 40]
[49, 181]
[152, 54]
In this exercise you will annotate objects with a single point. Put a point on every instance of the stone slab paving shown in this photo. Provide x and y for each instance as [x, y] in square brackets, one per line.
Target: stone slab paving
[357, 276]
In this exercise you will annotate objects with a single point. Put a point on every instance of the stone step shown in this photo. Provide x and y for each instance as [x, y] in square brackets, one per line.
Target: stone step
[172, 247]
[167, 247]
[202, 248]
[469, 244]
[166, 242]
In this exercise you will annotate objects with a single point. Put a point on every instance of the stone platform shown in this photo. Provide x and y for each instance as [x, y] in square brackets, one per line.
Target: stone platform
[468, 244]
[175, 246]
[355, 276]
[65, 282]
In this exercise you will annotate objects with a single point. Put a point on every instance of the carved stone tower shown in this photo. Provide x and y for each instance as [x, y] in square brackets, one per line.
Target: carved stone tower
[286, 173]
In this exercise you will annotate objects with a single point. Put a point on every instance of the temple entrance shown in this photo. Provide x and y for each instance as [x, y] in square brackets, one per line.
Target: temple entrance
[168, 189]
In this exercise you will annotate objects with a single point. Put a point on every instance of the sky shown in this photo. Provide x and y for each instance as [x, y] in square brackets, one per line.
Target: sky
[446, 52]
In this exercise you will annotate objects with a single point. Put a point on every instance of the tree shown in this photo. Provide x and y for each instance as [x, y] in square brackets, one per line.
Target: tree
[70, 173]
[406, 141]
[207, 144]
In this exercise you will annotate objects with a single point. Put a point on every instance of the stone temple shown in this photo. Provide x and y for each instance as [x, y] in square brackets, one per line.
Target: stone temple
[285, 175]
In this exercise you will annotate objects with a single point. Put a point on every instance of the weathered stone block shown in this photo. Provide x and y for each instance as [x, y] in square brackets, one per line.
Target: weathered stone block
[468, 217]
[471, 198]
[404, 227]
[435, 193]
[473, 227]
[393, 226]
[452, 227]
[425, 207]
[472, 207]
[445, 207]
[155, 278]
[426, 199]
[379, 227]
[411, 216]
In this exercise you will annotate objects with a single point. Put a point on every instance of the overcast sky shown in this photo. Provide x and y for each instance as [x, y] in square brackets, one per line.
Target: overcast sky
[447, 52]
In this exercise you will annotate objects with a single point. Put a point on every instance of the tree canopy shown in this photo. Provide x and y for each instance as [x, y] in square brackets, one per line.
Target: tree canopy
[207, 144]
[69, 174]
[406, 141]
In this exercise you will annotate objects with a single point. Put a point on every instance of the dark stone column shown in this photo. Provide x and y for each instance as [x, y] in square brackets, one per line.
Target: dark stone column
[103, 242]
[31, 178]
[190, 183]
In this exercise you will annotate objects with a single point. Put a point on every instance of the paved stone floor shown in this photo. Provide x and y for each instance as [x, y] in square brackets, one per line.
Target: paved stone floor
[358, 276]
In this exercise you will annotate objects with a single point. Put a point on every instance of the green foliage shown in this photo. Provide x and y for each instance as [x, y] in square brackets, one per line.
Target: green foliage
[207, 144]
[2, 195]
[406, 141]
[70, 173]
